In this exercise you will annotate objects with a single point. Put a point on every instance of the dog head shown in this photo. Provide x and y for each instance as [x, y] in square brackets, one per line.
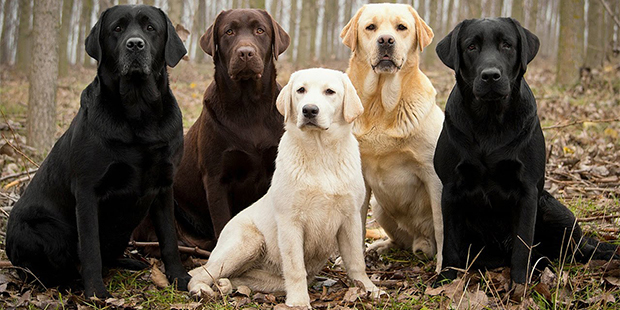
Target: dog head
[319, 99]
[244, 40]
[134, 40]
[386, 35]
[488, 55]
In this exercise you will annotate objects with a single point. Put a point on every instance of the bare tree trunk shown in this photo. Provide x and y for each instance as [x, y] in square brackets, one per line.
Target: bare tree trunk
[517, 11]
[429, 55]
[257, 4]
[291, 29]
[65, 28]
[305, 33]
[570, 48]
[449, 24]
[314, 20]
[475, 8]
[42, 93]
[498, 6]
[595, 48]
[533, 16]
[24, 39]
[200, 25]
[329, 15]
[8, 31]
[175, 11]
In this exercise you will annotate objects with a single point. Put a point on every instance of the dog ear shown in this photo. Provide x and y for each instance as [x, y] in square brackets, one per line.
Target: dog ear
[529, 44]
[284, 101]
[349, 32]
[208, 41]
[280, 39]
[424, 33]
[448, 48]
[352, 106]
[175, 50]
[93, 46]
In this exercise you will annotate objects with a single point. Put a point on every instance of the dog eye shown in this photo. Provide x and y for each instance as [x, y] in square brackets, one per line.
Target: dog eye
[329, 91]
[118, 29]
[506, 45]
[471, 47]
[229, 32]
[402, 27]
[260, 30]
[301, 90]
[371, 27]
[150, 28]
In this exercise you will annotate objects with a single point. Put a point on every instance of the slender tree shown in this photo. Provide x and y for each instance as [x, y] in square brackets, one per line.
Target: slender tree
[517, 12]
[24, 36]
[43, 78]
[291, 28]
[595, 48]
[8, 31]
[570, 48]
[65, 28]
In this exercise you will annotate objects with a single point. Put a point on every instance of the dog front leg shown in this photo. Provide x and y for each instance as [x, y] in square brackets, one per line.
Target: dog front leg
[163, 217]
[364, 211]
[89, 250]
[433, 186]
[353, 255]
[219, 208]
[525, 220]
[291, 244]
[452, 238]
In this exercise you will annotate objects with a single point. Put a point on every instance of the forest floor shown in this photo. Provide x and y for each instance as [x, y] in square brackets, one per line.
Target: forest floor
[581, 125]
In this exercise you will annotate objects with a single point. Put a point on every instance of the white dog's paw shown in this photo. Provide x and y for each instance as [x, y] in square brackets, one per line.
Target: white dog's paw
[423, 249]
[225, 286]
[298, 301]
[376, 293]
[380, 246]
[199, 289]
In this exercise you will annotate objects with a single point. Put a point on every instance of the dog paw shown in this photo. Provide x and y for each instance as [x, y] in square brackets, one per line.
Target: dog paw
[298, 302]
[200, 289]
[376, 293]
[380, 246]
[182, 282]
[225, 286]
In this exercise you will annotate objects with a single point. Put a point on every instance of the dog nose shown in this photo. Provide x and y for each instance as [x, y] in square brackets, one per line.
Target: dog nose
[310, 110]
[386, 40]
[246, 52]
[491, 75]
[135, 44]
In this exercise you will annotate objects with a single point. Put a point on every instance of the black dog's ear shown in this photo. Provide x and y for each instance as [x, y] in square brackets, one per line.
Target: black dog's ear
[448, 48]
[529, 44]
[175, 50]
[93, 46]
[280, 39]
[208, 41]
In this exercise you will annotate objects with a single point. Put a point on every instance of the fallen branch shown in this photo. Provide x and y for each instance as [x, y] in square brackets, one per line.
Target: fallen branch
[17, 182]
[19, 174]
[611, 120]
[183, 249]
[596, 218]
[18, 150]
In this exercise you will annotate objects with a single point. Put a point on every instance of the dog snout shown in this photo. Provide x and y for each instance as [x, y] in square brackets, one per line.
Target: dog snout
[246, 53]
[386, 40]
[491, 75]
[310, 110]
[135, 44]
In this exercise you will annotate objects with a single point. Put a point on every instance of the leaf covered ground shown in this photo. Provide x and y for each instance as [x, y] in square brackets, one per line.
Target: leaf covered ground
[581, 126]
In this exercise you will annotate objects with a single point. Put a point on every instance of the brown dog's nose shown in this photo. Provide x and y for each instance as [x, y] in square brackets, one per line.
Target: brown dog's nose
[386, 40]
[246, 52]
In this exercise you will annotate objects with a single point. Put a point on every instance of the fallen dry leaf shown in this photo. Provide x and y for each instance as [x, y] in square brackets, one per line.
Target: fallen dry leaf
[185, 306]
[158, 277]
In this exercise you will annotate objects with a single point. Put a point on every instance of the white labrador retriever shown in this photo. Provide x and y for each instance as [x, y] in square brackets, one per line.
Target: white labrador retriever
[312, 208]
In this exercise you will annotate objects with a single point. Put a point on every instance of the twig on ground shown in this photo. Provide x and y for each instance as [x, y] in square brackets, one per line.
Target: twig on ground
[183, 249]
[5, 264]
[18, 181]
[611, 120]
[19, 174]
[596, 218]
[19, 151]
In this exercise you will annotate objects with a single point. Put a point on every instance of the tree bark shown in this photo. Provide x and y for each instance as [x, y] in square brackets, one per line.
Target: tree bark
[291, 29]
[257, 4]
[175, 11]
[517, 11]
[24, 39]
[8, 31]
[42, 93]
[305, 34]
[65, 28]
[570, 47]
[595, 48]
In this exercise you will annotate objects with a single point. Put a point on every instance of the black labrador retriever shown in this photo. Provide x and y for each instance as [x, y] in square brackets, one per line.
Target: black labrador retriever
[114, 165]
[230, 150]
[491, 158]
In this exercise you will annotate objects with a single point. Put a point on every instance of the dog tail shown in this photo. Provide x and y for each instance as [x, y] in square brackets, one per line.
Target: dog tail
[558, 233]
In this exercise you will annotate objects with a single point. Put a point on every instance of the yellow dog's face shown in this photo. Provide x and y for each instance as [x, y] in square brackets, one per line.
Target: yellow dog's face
[386, 35]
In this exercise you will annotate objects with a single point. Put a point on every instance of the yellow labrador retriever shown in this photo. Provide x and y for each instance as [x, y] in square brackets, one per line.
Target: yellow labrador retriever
[311, 209]
[400, 125]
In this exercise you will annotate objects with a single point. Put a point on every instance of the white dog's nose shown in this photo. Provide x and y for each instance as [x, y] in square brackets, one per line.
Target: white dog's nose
[310, 110]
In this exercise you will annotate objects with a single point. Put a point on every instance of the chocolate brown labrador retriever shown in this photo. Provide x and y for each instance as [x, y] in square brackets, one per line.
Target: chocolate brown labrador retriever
[115, 164]
[491, 159]
[230, 151]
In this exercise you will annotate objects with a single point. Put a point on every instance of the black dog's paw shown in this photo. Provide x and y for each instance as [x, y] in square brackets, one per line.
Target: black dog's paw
[444, 277]
[181, 281]
[99, 291]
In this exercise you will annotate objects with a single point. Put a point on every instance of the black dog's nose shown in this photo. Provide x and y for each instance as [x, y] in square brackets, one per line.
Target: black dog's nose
[246, 52]
[491, 75]
[310, 110]
[135, 44]
[386, 40]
